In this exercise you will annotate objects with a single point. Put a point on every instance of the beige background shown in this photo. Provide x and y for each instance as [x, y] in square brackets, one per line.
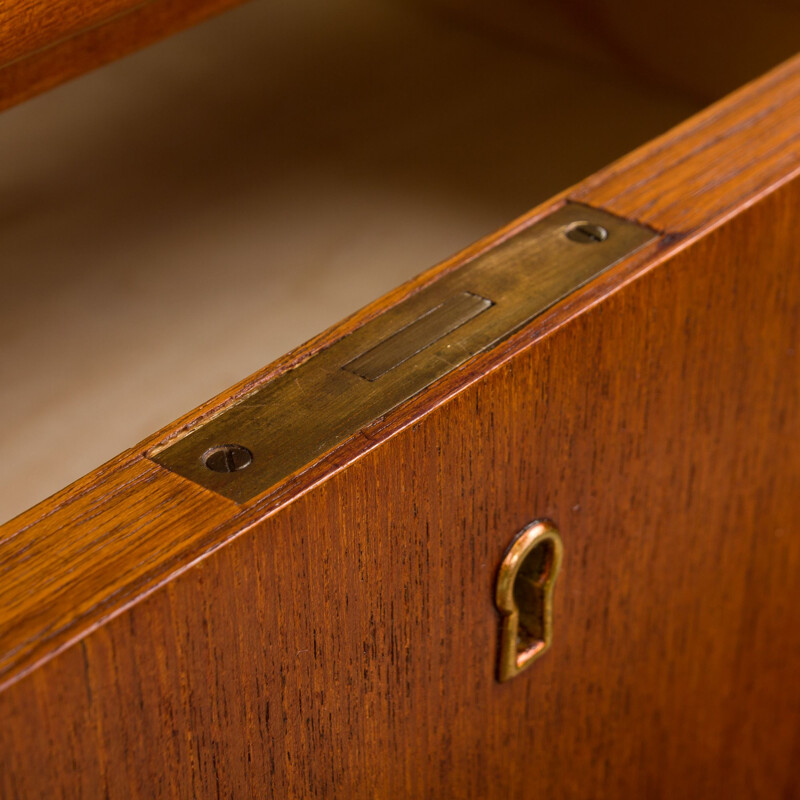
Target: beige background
[173, 222]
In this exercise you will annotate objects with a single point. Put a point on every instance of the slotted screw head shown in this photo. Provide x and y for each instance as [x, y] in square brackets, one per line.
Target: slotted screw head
[227, 458]
[586, 233]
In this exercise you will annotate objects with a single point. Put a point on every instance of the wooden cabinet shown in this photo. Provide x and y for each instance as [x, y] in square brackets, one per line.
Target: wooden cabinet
[334, 630]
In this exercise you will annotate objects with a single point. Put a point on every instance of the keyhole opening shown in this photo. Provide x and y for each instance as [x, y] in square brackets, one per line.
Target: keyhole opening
[524, 597]
[529, 595]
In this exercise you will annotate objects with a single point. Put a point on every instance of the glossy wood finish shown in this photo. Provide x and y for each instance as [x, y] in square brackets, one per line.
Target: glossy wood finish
[337, 637]
[45, 42]
[693, 174]
[243, 202]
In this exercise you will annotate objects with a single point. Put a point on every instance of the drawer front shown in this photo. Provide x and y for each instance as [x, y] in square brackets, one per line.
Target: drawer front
[338, 634]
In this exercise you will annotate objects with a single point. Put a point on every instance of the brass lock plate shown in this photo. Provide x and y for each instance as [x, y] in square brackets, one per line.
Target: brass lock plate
[300, 415]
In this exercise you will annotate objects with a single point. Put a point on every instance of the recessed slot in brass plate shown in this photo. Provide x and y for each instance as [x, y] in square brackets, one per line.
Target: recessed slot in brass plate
[300, 415]
[422, 333]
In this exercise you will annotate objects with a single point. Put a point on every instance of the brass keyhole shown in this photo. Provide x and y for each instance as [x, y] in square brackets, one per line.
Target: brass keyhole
[524, 596]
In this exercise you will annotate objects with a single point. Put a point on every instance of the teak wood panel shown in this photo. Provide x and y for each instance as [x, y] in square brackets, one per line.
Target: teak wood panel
[346, 646]
[338, 638]
[129, 526]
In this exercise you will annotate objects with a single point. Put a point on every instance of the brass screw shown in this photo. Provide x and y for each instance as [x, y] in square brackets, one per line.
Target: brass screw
[227, 458]
[586, 233]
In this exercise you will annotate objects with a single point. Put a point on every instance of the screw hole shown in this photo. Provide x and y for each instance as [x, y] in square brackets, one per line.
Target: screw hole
[227, 458]
[586, 233]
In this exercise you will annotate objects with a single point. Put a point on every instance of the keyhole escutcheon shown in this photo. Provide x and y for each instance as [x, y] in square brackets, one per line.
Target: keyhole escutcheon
[524, 596]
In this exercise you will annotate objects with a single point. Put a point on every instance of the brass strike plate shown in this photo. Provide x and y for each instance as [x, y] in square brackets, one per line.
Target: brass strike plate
[300, 415]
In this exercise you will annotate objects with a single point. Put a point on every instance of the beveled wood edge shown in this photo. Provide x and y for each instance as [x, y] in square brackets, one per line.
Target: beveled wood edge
[142, 496]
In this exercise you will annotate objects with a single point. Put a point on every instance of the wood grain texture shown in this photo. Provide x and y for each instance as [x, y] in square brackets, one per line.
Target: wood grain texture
[263, 91]
[46, 42]
[345, 646]
[704, 168]
[337, 636]
[93, 524]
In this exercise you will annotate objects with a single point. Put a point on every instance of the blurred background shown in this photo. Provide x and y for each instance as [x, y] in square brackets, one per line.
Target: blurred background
[176, 220]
